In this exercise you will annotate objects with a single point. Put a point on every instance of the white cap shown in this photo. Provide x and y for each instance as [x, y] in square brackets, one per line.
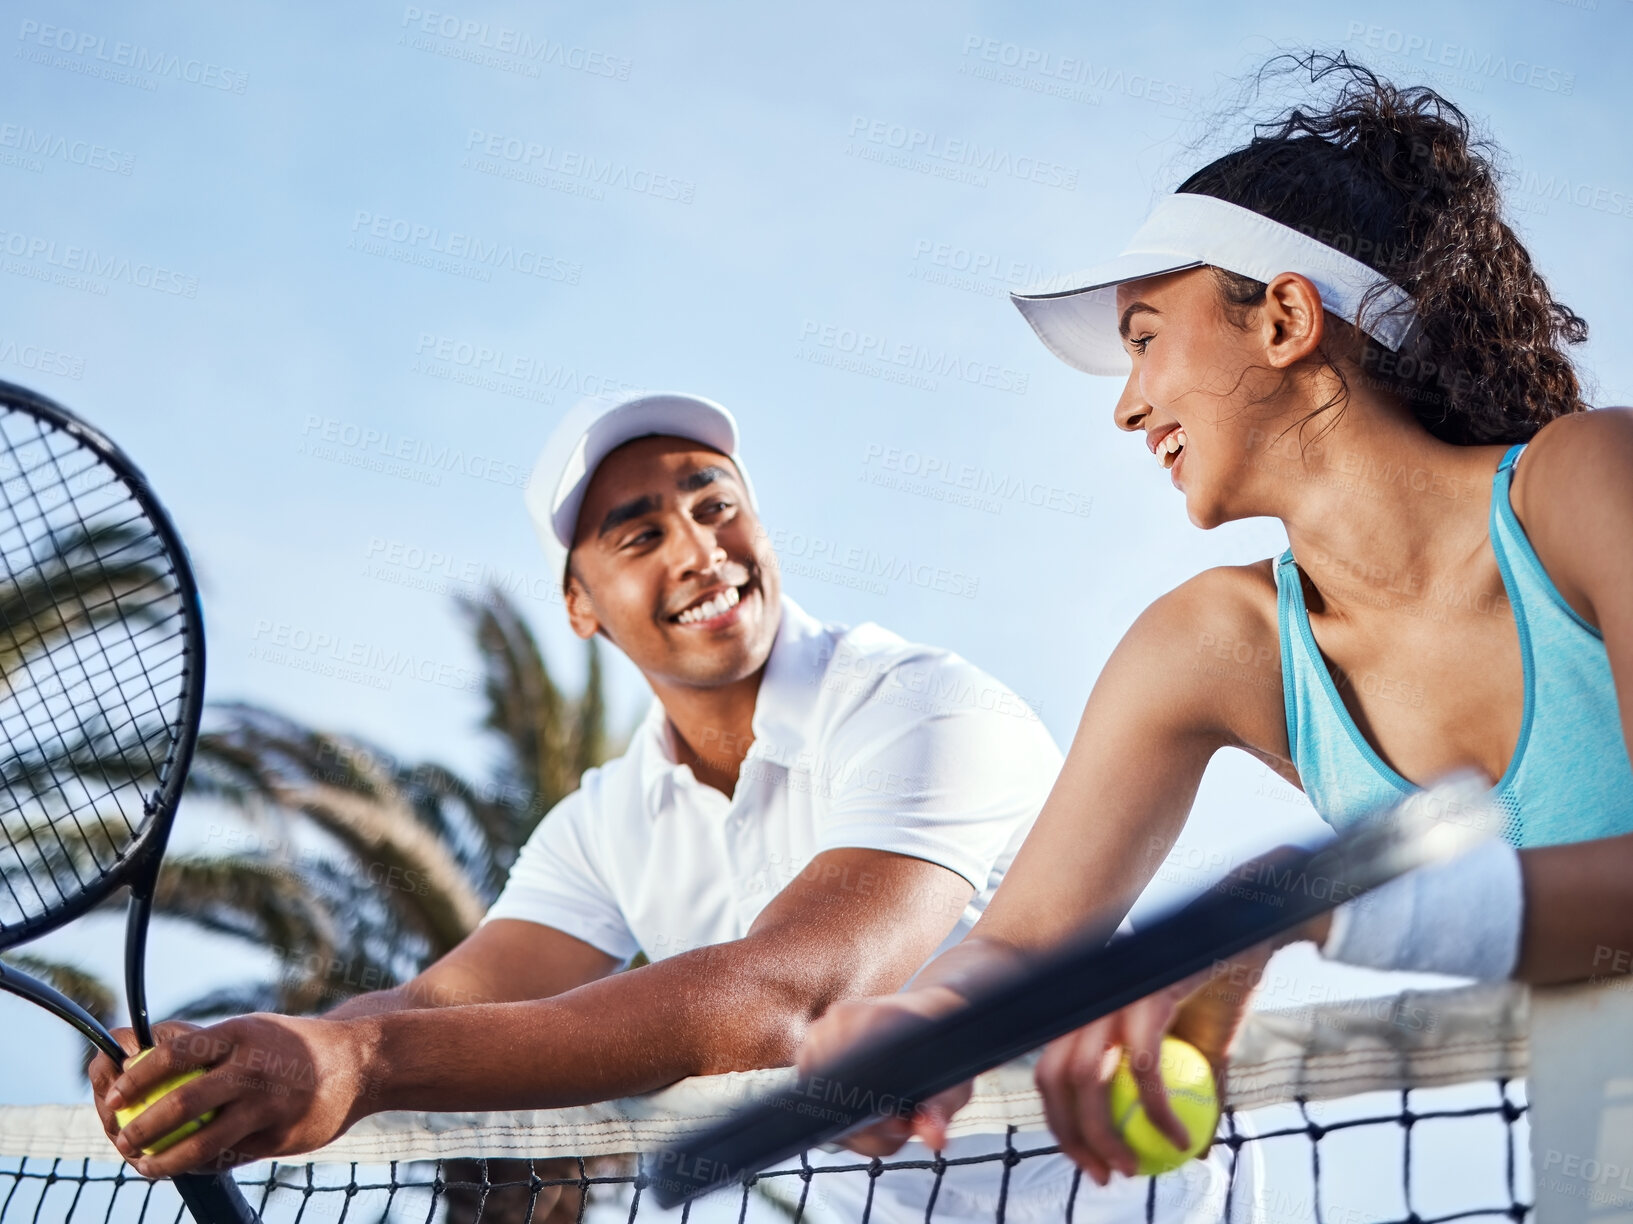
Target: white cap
[593, 429]
[1187, 230]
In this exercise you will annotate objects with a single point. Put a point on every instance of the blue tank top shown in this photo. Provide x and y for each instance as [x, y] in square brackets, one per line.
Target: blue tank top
[1569, 779]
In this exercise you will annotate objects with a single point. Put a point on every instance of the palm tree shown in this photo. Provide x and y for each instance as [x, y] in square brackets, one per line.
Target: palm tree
[358, 868]
[361, 867]
[41, 611]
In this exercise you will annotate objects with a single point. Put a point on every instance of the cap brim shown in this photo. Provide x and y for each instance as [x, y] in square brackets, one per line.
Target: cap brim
[1080, 325]
[668, 413]
[596, 427]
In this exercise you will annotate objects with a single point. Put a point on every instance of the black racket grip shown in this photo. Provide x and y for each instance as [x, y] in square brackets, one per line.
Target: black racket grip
[214, 1198]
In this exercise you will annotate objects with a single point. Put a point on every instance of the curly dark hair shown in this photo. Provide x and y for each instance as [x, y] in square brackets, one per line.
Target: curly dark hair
[1393, 177]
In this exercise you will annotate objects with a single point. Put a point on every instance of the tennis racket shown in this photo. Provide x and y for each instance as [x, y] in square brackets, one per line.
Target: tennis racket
[101, 687]
[1082, 981]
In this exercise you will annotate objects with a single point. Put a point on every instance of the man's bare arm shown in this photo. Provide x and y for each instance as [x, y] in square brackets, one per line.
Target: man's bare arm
[855, 922]
[503, 961]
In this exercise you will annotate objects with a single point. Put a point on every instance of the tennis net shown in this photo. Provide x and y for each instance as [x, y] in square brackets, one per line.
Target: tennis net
[1405, 1108]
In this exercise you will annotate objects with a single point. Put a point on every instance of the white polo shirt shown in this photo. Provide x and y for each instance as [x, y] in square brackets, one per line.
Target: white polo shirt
[861, 740]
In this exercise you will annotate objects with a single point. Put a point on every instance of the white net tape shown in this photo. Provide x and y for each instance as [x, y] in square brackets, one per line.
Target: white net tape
[1417, 1039]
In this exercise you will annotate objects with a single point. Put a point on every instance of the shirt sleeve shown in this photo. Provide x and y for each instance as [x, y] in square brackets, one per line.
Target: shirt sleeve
[953, 784]
[558, 883]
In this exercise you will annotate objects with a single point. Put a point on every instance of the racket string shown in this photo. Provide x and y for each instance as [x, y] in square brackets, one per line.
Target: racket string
[47, 758]
[57, 565]
[122, 621]
[97, 652]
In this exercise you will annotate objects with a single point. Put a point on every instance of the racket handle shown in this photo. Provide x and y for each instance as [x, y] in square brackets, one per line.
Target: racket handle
[214, 1199]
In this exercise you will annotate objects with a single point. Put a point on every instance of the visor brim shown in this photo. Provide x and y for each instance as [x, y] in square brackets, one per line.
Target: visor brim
[1080, 325]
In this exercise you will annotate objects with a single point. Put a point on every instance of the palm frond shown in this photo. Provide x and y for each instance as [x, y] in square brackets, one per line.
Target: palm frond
[396, 862]
[525, 708]
[352, 795]
[590, 745]
[82, 578]
[79, 984]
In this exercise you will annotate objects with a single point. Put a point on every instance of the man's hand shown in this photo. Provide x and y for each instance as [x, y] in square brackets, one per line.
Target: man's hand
[847, 1024]
[278, 1084]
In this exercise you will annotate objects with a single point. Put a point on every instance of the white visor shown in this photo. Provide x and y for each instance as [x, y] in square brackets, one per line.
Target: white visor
[1189, 231]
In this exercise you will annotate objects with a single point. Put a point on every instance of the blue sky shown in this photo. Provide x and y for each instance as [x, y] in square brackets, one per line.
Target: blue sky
[710, 199]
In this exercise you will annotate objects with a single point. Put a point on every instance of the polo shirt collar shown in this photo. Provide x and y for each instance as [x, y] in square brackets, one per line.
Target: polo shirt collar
[785, 709]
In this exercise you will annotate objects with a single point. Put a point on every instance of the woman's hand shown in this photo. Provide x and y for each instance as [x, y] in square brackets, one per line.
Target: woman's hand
[1073, 1075]
[846, 1025]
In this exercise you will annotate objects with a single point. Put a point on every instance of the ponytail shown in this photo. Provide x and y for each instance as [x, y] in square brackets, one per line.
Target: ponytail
[1392, 177]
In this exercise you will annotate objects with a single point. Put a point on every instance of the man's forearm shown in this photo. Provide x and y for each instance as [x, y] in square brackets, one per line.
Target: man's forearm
[419, 993]
[376, 1002]
[621, 1036]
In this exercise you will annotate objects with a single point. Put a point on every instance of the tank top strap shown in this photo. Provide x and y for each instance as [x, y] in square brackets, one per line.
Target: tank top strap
[1504, 526]
[1523, 570]
[1287, 611]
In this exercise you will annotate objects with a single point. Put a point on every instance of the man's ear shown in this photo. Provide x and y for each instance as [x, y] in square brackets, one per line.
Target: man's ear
[1292, 319]
[580, 608]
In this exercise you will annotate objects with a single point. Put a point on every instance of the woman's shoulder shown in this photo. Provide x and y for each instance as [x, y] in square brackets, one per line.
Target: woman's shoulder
[1207, 656]
[1592, 446]
[1573, 495]
[1214, 633]
[1226, 597]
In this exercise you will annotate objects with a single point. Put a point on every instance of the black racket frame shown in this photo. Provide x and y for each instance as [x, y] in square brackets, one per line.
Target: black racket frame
[212, 1199]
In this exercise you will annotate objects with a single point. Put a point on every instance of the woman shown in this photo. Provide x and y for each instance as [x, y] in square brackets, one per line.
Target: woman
[1333, 326]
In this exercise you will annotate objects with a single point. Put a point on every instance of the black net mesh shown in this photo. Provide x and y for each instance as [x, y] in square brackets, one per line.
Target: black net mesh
[93, 655]
[1417, 1157]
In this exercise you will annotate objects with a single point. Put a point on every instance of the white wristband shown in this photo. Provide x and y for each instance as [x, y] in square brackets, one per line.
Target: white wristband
[1461, 918]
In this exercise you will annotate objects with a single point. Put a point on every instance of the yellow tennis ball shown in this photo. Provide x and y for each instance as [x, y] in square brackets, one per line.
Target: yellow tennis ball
[1189, 1080]
[127, 1113]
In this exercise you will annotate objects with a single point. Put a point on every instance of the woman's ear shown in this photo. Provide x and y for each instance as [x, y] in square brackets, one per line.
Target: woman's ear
[1292, 319]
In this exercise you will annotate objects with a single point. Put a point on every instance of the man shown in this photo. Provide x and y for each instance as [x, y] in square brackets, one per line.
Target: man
[807, 814]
